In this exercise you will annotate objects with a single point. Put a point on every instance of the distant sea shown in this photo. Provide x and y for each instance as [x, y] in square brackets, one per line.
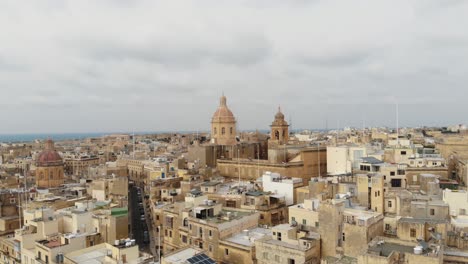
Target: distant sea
[14, 138]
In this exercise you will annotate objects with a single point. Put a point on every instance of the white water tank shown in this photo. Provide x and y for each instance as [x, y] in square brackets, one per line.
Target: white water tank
[418, 250]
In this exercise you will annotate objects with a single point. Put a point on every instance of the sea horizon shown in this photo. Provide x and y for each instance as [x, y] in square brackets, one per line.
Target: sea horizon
[30, 137]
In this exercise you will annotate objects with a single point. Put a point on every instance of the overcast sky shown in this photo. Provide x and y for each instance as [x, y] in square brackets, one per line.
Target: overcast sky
[102, 66]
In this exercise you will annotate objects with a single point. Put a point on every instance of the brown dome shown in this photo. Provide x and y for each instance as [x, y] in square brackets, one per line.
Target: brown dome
[279, 119]
[223, 114]
[279, 115]
[49, 157]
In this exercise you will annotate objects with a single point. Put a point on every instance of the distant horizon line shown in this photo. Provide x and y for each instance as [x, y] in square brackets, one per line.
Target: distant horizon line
[204, 131]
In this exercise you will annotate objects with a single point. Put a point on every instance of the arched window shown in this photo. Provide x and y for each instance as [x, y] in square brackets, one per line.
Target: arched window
[230, 129]
[223, 131]
[185, 222]
[277, 135]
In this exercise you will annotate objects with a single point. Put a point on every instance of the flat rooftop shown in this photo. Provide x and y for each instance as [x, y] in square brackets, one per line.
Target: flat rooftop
[182, 255]
[387, 248]
[235, 215]
[248, 238]
[92, 257]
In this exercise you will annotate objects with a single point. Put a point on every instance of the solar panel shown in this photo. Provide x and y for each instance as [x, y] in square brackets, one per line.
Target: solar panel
[201, 259]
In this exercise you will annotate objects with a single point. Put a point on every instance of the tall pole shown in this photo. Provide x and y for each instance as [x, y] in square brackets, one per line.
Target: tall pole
[318, 155]
[26, 184]
[20, 208]
[238, 165]
[159, 243]
[397, 125]
[258, 160]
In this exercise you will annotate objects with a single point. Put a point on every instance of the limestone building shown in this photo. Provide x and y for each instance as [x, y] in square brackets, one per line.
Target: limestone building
[49, 171]
[223, 125]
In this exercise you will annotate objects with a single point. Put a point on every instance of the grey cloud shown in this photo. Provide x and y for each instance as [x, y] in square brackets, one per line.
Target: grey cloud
[162, 65]
[335, 60]
[240, 51]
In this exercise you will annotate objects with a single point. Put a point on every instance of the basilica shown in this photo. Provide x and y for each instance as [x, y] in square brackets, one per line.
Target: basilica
[250, 154]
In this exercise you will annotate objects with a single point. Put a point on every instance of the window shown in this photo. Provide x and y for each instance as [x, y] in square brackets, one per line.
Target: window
[389, 204]
[392, 173]
[316, 224]
[230, 129]
[262, 217]
[291, 261]
[279, 236]
[12, 200]
[170, 233]
[343, 237]
[401, 172]
[387, 226]
[403, 152]
[206, 189]
[462, 211]
[265, 255]
[210, 233]
[293, 218]
[215, 131]
[432, 211]
[412, 232]
[277, 258]
[395, 183]
[226, 252]
[210, 248]
[165, 232]
[184, 239]
[223, 131]
[304, 221]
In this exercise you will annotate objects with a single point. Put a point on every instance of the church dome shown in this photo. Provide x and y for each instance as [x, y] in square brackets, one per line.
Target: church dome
[279, 119]
[279, 115]
[223, 114]
[49, 157]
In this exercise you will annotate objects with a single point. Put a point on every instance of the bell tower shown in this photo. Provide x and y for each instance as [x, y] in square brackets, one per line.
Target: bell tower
[279, 129]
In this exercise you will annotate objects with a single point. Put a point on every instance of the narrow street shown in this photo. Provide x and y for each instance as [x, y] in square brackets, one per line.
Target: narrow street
[138, 224]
